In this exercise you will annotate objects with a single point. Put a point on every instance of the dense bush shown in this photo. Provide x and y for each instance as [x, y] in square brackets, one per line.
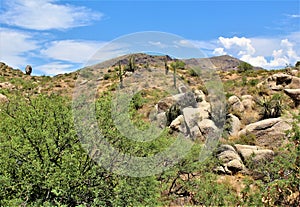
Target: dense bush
[42, 162]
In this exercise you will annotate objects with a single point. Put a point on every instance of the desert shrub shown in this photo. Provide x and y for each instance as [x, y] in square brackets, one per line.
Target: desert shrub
[248, 139]
[172, 113]
[271, 107]
[244, 67]
[106, 76]
[192, 73]
[244, 81]
[42, 162]
[253, 82]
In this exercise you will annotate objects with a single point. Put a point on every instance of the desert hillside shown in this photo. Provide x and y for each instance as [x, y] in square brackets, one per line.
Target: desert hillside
[229, 133]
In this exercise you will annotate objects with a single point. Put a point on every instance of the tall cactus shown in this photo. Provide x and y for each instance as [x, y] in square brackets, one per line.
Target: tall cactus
[174, 66]
[166, 66]
[131, 64]
[120, 74]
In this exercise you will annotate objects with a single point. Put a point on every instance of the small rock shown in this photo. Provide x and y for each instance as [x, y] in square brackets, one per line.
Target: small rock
[3, 98]
[182, 89]
[7, 85]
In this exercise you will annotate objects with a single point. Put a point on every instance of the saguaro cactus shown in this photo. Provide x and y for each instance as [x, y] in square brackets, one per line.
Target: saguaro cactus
[120, 74]
[174, 66]
[131, 64]
[166, 66]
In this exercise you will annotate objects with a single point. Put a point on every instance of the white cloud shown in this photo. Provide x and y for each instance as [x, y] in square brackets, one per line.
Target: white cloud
[72, 50]
[294, 15]
[16, 47]
[45, 15]
[219, 51]
[242, 44]
[262, 52]
[55, 68]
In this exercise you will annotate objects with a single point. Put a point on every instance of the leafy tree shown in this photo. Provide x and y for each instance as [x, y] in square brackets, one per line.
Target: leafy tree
[42, 162]
[244, 67]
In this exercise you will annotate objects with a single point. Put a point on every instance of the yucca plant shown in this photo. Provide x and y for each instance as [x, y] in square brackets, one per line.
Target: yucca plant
[271, 107]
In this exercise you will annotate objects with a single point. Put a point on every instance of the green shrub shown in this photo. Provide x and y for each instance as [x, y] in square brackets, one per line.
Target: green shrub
[244, 67]
[106, 76]
[192, 73]
[271, 107]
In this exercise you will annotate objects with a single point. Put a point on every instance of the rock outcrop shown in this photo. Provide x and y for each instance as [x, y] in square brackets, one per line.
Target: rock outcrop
[294, 94]
[268, 132]
[232, 158]
[280, 81]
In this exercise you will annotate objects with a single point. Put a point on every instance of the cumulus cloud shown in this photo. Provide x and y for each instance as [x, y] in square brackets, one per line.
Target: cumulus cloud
[76, 51]
[16, 47]
[45, 15]
[219, 51]
[262, 52]
[242, 44]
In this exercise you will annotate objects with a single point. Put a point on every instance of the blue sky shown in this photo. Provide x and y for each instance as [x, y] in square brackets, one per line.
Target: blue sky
[60, 36]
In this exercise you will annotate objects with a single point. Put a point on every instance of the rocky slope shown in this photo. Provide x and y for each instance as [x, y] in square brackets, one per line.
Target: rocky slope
[258, 104]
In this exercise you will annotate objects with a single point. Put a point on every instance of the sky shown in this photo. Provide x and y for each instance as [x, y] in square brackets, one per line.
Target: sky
[60, 36]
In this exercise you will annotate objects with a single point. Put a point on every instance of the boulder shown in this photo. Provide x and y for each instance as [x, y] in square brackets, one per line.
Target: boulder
[248, 102]
[235, 125]
[161, 120]
[294, 72]
[280, 81]
[254, 152]
[185, 99]
[207, 127]
[194, 115]
[3, 98]
[268, 132]
[204, 106]
[178, 124]
[164, 105]
[200, 95]
[230, 159]
[295, 83]
[235, 104]
[294, 94]
[28, 70]
[195, 133]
